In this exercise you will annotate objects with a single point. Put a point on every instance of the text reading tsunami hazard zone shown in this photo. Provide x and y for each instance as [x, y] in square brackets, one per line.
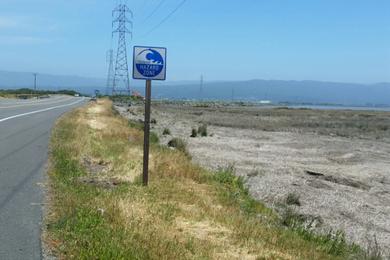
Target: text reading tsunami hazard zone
[149, 69]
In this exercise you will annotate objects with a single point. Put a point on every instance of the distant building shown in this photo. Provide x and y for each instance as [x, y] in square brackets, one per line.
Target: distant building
[265, 102]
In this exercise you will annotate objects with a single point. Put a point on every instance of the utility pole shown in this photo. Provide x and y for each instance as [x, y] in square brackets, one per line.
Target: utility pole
[201, 88]
[35, 81]
[120, 26]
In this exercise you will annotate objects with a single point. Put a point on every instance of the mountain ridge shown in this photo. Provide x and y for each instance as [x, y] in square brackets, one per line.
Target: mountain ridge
[298, 91]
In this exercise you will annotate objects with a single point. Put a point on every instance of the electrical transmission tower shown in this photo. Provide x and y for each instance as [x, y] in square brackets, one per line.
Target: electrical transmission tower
[201, 88]
[110, 75]
[35, 81]
[120, 24]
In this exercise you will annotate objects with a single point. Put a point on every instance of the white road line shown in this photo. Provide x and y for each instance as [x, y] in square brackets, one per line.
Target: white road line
[39, 111]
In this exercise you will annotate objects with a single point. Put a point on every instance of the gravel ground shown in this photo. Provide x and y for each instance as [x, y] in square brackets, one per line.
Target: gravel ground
[343, 181]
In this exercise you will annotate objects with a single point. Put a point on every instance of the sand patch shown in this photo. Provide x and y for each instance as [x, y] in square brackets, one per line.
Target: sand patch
[96, 109]
[96, 124]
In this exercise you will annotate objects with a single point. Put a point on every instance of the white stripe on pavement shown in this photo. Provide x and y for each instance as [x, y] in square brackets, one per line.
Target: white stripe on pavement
[39, 111]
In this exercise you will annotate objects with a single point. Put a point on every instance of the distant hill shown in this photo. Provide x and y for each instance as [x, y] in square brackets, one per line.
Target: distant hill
[51, 82]
[315, 92]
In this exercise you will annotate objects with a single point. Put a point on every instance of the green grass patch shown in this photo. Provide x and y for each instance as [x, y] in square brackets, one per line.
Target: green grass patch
[137, 125]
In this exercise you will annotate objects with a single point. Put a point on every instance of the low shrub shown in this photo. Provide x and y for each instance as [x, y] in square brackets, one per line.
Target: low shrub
[166, 131]
[234, 190]
[153, 137]
[202, 130]
[332, 242]
[136, 125]
[293, 199]
[194, 132]
[291, 218]
[179, 144]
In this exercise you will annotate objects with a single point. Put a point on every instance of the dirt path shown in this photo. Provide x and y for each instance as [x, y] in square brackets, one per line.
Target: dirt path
[344, 182]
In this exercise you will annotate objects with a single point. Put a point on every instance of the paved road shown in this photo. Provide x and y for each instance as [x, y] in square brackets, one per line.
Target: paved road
[24, 137]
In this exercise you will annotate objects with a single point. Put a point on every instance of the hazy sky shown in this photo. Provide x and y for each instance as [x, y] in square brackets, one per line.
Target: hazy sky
[331, 40]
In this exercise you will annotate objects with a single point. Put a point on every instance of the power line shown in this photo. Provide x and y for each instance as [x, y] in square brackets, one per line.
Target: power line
[167, 17]
[155, 10]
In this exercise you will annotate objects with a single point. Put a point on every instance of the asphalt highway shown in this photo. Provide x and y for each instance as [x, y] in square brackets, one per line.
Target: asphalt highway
[24, 137]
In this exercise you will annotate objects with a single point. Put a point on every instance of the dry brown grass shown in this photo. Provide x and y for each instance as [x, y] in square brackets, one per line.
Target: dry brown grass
[183, 214]
[103, 137]
[3, 95]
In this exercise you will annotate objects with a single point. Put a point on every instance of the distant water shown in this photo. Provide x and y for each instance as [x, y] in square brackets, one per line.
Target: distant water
[362, 108]
[191, 93]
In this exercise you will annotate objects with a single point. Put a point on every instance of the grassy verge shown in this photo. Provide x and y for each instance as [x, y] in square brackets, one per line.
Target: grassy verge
[100, 210]
[33, 93]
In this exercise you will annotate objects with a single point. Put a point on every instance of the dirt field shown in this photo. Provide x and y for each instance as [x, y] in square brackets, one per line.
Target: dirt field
[334, 163]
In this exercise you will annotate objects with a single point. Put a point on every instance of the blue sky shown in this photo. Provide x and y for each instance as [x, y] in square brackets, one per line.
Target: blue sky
[328, 40]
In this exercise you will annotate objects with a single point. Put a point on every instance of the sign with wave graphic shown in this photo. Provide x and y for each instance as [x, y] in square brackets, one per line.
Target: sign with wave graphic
[149, 63]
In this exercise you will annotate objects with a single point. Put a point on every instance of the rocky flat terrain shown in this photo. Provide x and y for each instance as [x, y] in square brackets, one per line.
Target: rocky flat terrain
[334, 164]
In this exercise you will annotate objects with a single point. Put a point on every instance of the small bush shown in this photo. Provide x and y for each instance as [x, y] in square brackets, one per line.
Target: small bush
[293, 199]
[255, 172]
[291, 218]
[179, 144]
[226, 176]
[153, 121]
[202, 130]
[194, 132]
[153, 137]
[136, 125]
[333, 242]
[166, 131]
[234, 191]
